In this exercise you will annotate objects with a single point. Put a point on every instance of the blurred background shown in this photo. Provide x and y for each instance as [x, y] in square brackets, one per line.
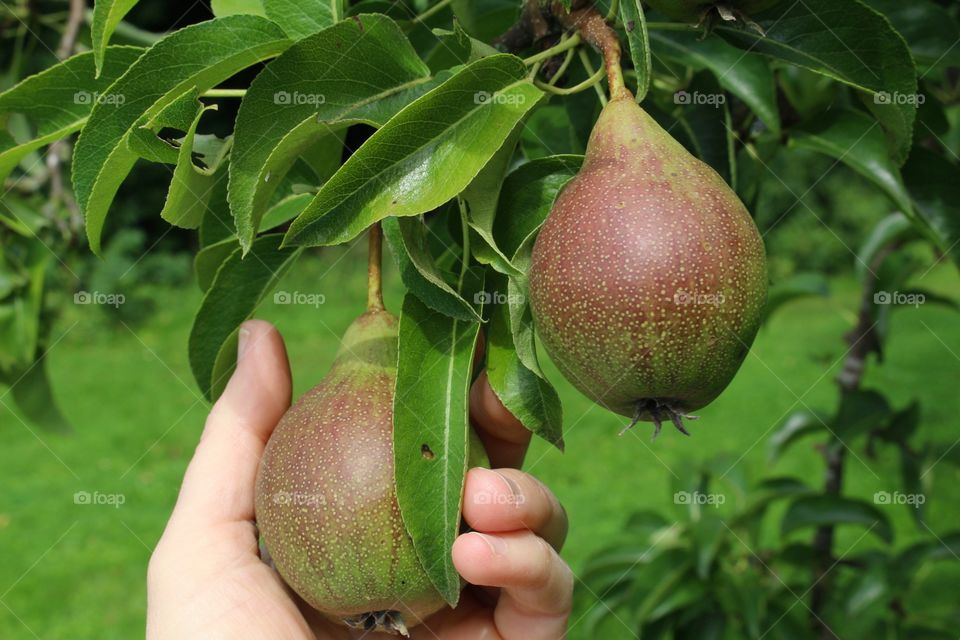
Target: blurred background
[657, 528]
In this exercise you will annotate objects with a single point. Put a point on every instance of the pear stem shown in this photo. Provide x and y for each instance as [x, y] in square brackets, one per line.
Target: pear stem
[374, 274]
[594, 30]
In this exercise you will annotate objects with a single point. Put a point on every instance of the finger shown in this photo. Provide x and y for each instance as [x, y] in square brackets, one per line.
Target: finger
[219, 483]
[503, 436]
[536, 585]
[503, 500]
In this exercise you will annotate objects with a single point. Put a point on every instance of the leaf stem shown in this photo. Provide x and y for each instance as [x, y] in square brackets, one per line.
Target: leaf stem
[592, 81]
[563, 67]
[440, 6]
[588, 67]
[374, 273]
[224, 93]
[560, 47]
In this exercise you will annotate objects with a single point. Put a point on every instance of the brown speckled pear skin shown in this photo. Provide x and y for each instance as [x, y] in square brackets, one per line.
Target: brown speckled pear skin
[648, 278]
[326, 504]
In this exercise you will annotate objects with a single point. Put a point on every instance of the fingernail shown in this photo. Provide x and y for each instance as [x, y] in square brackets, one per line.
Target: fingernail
[497, 546]
[243, 341]
[516, 497]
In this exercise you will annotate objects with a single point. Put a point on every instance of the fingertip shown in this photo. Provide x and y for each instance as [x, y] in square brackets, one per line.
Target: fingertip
[258, 392]
[471, 553]
[490, 414]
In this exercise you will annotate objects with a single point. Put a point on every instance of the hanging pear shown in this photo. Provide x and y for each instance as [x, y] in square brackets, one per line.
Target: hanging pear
[648, 279]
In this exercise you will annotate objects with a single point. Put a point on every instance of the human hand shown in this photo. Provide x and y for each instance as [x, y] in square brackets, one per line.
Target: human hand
[206, 578]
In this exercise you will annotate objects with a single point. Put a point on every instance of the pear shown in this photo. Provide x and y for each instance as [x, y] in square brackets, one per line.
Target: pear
[326, 502]
[648, 278]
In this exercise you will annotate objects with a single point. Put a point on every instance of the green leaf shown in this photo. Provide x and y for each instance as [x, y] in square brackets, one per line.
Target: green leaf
[796, 426]
[746, 75]
[431, 422]
[456, 48]
[814, 511]
[424, 156]
[480, 198]
[849, 42]
[57, 102]
[486, 19]
[208, 260]
[855, 139]
[285, 210]
[797, 286]
[893, 228]
[301, 18]
[286, 111]
[34, 397]
[635, 24]
[222, 8]
[708, 128]
[860, 411]
[929, 29]
[238, 288]
[107, 14]
[934, 185]
[201, 56]
[526, 197]
[407, 238]
[192, 186]
[524, 392]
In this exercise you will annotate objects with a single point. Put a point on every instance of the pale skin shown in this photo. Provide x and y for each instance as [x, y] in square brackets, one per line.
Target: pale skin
[206, 578]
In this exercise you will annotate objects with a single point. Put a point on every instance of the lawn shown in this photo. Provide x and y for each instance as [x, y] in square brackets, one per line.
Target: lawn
[74, 570]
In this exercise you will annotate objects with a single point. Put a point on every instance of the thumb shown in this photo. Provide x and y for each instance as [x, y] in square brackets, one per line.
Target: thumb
[219, 483]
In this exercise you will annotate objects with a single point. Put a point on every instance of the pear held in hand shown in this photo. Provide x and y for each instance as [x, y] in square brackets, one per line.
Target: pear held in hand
[326, 501]
[648, 278]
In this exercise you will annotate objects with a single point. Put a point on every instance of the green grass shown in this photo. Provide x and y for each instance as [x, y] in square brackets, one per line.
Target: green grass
[78, 570]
